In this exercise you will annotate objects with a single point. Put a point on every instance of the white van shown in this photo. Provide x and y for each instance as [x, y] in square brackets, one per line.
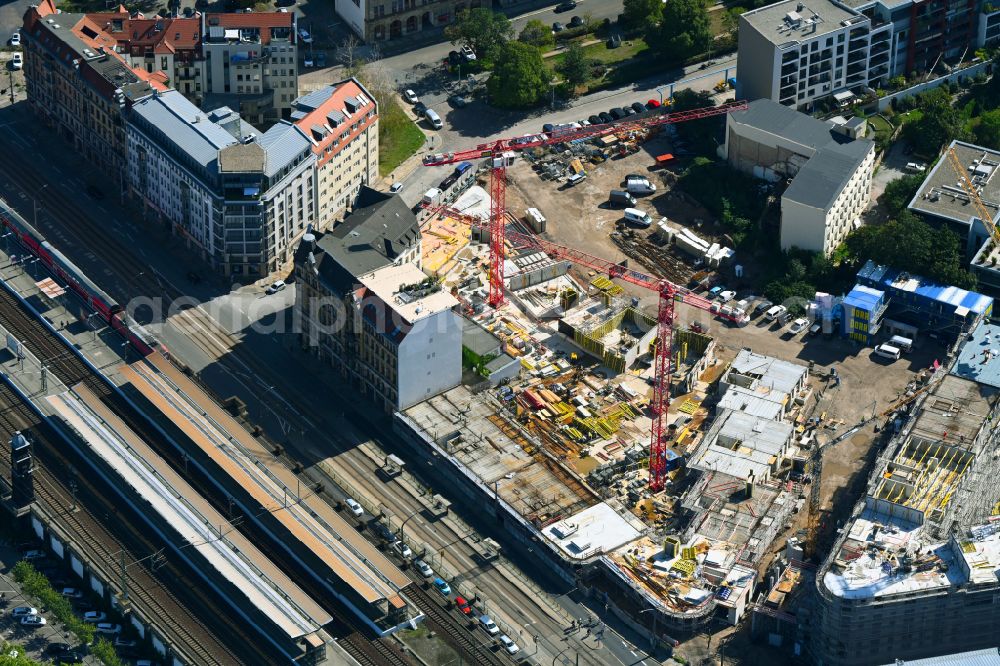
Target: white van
[888, 351]
[433, 118]
[901, 343]
[775, 312]
[638, 217]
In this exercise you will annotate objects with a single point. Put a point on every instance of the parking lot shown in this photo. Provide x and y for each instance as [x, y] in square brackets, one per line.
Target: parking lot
[46, 639]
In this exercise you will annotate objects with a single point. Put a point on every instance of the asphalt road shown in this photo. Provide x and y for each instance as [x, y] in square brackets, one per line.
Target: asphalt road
[465, 128]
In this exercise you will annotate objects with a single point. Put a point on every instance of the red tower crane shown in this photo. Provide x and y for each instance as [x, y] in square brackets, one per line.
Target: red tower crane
[500, 152]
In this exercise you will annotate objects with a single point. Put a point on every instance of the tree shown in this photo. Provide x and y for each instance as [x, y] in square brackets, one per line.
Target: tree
[482, 30]
[519, 78]
[684, 30]
[908, 243]
[900, 192]
[701, 133]
[348, 56]
[574, 67]
[987, 132]
[537, 34]
[638, 14]
[731, 20]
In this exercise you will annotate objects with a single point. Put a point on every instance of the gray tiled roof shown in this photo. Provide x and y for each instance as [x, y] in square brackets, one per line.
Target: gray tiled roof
[824, 176]
[769, 116]
[312, 101]
[378, 229]
[174, 116]
[283, 144]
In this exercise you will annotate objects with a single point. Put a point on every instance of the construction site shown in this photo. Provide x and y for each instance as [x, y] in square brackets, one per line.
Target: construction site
[562, 446]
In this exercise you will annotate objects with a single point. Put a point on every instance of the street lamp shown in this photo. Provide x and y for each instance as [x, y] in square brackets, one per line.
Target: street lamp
[34, 201]
[652, 636]
[403, 524]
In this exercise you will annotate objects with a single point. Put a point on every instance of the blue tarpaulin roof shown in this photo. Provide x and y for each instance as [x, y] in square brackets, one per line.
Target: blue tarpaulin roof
[891, 279]
[864, 298]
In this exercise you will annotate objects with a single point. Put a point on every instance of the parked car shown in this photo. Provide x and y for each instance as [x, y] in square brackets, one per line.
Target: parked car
[354, 507]
[489, 625]
[95, 616]
[321, 58]
[15, 39]
[457, 101]
[72, 593]
[395, 187]
[410, 96]
[653, 104]
[617, 113]
[508, 645]
[31, 555]
[276, 286]
[763, 306]
[33, 621]
[638, 107]
[403, 549]
[304, 36]
[726, 296]
[463, 605]
[308, 62]
[575, 22]
[798, 326]
[424, 568]
[108, 628]
[467, 53]
[23, 611]
[605, 117]
[442, 586]
[595, 120]
[558, 27]
[126, 642]
[419, 108]
[815, 329]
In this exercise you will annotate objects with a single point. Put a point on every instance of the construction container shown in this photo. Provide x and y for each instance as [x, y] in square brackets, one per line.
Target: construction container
[534, 218]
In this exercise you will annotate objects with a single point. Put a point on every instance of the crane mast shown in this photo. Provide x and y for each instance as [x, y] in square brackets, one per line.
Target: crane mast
[500, 153]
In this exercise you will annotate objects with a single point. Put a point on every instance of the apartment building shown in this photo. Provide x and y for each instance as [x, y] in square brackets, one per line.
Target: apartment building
[239, 197]
[342, 122]
[364, 306]
[250, 61]
[79, 86]
[382, 20]
[795, 53]
[799, 51]
[245, 61]
[169, 45]
[831, 172]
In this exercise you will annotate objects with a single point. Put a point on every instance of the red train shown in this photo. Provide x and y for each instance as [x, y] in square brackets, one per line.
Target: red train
[62, 268]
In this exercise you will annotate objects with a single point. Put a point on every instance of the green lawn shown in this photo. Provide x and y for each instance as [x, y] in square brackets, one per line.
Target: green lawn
[879, 124]
[398, 137]
[601, 53]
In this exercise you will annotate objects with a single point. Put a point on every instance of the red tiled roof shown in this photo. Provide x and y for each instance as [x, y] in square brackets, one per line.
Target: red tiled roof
[252, 20]
[263, 21]
[159, 35]
[343, 90]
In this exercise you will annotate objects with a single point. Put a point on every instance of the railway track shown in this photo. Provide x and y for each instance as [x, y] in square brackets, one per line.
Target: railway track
[71, 370]
[144, 589]
[454, 634]
[122, 262]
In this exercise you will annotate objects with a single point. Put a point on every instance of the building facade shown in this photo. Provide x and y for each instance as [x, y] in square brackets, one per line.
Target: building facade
[384, 20]
[250, 61]
[79, 86]
[830, 172]
[797, 52]
[238, 197]
[364, 306]
[342, 123]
